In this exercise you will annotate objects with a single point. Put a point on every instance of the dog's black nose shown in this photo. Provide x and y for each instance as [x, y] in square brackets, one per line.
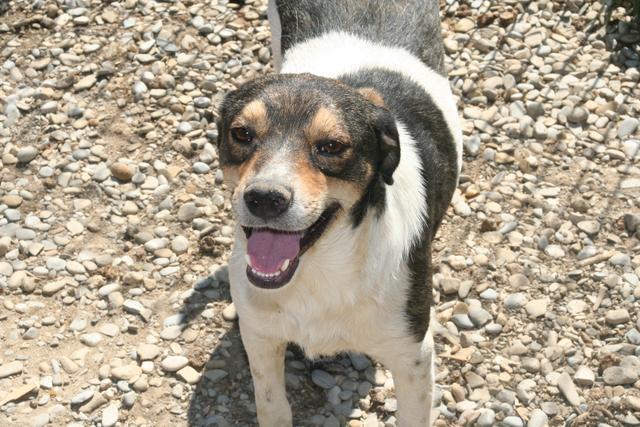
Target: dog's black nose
[267, 201]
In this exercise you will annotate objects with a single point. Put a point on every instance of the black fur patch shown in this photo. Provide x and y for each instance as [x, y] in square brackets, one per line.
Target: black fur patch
[426, 124]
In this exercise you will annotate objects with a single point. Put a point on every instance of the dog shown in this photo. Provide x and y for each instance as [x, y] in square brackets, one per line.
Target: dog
[342, 166]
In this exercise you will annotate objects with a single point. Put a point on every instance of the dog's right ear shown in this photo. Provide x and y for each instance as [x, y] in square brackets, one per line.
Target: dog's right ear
[387, 133]
[389, 144]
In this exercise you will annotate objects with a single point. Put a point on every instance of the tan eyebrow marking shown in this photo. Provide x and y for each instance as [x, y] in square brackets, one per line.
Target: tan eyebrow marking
[253, 115]
[326, 124]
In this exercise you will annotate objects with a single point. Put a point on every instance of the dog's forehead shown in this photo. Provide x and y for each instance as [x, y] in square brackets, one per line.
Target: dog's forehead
[294, 102]
[297, 98]
[304, 108]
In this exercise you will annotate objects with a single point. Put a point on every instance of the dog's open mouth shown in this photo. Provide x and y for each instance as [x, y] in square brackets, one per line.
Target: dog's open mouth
[273, 255]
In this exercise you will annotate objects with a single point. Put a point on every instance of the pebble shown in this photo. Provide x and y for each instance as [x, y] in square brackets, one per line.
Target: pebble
[75, 227]
[51, 288]
[96, 401]
[619, 375]
[126, 372]
[323, 379]
[135, 307]
[179, 245]
[27, 154]
[82, 396]
[199, 167]
[512, 421]
[515, 301]
[139, 88]
[91, 339]
[537, 418]
[170, 332]
[11, 368]
[229, 313]
[578, 115]
[487, 418]
[148, 351]
[215, 375]
[85, 83]
[78, 324]
[627, 127]
[589, 227]
[110, 416]
[11, 200]
[129, 399]
[568, 389]
[617, 317]
[537, 307]
[188, 212]
[631, 148]
[584, 377]
[489, 294]
[463, 321]
[479, 316]
[620, 259]
[554, 251]
[40, 420]
[449, 285]
[188, 375]
[174, 363]
[122, 171]
[69, 365]
[359, 361]
[464, 25]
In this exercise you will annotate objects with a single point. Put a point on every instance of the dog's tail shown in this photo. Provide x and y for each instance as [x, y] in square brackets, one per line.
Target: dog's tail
[412, 24]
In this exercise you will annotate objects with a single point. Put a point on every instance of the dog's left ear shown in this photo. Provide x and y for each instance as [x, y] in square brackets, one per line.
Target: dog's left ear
[387, 133]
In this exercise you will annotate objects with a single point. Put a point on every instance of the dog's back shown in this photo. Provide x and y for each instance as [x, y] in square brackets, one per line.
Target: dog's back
[410, 24]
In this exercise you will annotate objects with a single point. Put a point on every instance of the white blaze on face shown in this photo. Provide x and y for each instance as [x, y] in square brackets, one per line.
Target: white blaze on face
[282, 169]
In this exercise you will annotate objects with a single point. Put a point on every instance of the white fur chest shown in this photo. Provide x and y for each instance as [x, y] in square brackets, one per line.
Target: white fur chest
[334, 305]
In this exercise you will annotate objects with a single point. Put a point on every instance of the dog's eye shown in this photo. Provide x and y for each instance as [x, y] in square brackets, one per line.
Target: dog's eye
[242, 135]
[330, 147]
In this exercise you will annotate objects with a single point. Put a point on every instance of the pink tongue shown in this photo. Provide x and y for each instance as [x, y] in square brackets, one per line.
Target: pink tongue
[268, 249]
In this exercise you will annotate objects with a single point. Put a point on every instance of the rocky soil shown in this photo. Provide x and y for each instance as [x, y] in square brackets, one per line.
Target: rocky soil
[115, 225]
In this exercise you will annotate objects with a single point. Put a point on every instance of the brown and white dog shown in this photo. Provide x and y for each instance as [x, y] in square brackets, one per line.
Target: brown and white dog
[343, 167]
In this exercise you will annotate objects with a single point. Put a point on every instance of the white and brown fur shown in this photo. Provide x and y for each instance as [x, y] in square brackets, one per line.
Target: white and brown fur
[365, 285]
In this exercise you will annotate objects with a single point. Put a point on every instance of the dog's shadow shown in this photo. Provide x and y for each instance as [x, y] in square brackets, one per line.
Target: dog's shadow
[224, 394]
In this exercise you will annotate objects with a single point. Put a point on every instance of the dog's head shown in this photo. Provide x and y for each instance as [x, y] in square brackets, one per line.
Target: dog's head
[302, 152]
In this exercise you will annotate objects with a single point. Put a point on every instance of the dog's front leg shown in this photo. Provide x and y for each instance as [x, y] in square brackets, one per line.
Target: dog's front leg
[413, 376]
[266, 358]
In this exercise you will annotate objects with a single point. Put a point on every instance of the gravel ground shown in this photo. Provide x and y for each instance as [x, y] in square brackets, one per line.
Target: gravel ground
[115, 225]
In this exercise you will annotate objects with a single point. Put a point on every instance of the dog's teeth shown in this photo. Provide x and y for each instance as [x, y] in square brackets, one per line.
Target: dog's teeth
[285, 265]
[248, 259]
[264, 275]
